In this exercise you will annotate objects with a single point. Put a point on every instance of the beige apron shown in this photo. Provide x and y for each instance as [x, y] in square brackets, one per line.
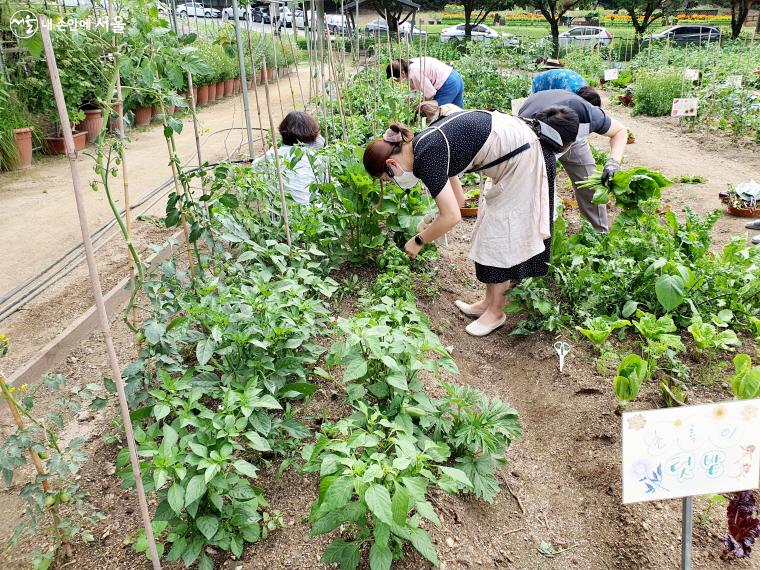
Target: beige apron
[513, 214]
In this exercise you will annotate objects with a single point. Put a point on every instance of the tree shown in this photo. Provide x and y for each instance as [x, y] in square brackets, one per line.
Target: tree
[552, 11]
[644, 13]
[483, 8]
[392, 11]
[739, 13]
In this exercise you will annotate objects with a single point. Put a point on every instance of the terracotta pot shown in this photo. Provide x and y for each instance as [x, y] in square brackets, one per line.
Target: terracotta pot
[270, 74]
[201, 95]
[220, 91]
[93, 122]
[55, 145]
[238, 85]
[143, 115]
[23, 138]
[469, 212]
[229, 87]
[211, 92]
[170, 109]
[154, 110]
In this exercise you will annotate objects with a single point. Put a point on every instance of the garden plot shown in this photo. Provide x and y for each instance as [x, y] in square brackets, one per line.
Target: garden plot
[304, 395]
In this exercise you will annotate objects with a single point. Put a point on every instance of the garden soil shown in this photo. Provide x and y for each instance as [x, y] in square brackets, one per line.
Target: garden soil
[562, 482]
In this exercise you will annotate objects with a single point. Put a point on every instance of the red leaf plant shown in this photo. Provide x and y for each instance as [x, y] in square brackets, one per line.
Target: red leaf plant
[743, 524]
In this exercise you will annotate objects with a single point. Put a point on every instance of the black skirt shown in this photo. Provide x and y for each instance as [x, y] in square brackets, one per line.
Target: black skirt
[538, 264]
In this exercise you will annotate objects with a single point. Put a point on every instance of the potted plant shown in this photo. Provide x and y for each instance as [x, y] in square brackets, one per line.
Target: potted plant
[471, 199]
[16, 131]
[92, 123]
[55, 144]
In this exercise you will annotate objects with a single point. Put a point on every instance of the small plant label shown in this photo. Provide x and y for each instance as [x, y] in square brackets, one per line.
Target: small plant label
[734, 81]
[611, 74]
[691, 74]
[691, 450]
[517, 105]
[684, 107]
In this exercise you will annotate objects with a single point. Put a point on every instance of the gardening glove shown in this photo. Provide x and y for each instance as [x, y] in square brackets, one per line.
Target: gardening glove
[610, 168]
[426, 221]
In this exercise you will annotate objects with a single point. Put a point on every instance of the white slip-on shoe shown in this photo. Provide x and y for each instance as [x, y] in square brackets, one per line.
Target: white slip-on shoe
[476, 329]
[465, 308]
[756, 239]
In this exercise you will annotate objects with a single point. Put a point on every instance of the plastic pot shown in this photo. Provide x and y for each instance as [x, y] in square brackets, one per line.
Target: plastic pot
[211, 92]
[23, 139]
[201, 97]
[229, 87]
[220, 89]
[92, 124]
[55, 145]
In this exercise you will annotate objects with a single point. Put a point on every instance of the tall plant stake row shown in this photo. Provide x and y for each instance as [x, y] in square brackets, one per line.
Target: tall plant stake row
[96, 288]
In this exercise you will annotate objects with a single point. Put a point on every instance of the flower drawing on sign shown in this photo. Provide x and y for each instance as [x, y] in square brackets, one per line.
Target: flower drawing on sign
[719, 413]
[749, 413]
[637, 422]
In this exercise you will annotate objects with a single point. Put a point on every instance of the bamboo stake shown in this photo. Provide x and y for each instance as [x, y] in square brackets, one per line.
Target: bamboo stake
[105, 326]
[283, 203]
[183, 219]
[273, 18]
[255, 84]
[337, 85]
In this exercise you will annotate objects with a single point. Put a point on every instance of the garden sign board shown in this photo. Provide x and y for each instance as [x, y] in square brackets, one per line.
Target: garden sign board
[691, 74]
[611, 74]
[691, 450]
[684, 107]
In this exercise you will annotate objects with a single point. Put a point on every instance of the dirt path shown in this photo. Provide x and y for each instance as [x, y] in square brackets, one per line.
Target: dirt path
[38, 221]
[37, 213]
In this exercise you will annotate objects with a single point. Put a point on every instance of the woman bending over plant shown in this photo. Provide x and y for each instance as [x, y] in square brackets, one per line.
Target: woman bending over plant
[433, 78]
[512, 236]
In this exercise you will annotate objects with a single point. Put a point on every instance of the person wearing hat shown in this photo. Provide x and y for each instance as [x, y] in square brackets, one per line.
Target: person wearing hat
[512, 236]
[430, 76]
[578, 161]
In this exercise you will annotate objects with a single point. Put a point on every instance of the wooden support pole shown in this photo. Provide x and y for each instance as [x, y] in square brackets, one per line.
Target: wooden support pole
[283, 202]
[105, 326]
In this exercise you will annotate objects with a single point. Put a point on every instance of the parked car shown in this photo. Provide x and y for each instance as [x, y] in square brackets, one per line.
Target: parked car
[261, 14]
[337, 24]
[379, 27]
[242, 12]
[687, 35]
[197, 9]
[285, 19]
[479, 33]
[585, 36]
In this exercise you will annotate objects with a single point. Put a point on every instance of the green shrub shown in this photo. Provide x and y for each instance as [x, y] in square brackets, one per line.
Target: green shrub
[654, 93]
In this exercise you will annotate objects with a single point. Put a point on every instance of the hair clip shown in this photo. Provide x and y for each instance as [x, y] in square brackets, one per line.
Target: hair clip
[392, 136]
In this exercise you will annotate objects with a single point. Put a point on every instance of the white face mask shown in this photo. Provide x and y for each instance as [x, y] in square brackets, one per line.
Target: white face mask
[406, 180]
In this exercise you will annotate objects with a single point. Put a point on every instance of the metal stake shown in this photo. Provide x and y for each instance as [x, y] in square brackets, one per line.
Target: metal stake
[687, 524]
[243, 79]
